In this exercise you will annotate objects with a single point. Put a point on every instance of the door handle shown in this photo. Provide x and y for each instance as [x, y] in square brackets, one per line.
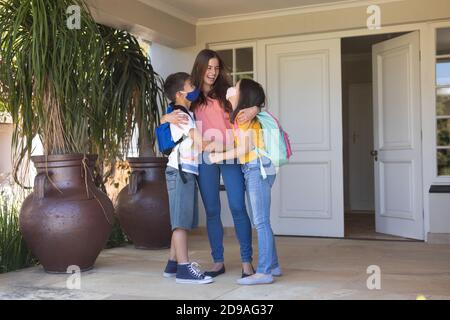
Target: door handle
[355, 137]
[374, 153]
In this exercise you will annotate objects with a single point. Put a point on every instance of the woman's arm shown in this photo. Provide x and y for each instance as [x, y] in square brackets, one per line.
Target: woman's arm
[215, 145]
[248, 114]
[177, 117]
[245, 146]
[196, 136]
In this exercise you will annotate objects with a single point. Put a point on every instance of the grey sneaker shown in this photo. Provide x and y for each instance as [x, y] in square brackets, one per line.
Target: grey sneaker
[276, 272]
[257, 278]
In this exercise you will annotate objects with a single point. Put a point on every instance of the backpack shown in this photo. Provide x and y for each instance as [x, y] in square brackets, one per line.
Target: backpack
[277, 146]
[163, 134]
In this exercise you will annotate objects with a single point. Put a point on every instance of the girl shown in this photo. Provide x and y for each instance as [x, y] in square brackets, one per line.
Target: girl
[248, 139]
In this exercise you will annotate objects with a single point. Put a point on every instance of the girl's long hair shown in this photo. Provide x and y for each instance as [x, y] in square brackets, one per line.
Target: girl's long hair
[220, 87]
[251, 94]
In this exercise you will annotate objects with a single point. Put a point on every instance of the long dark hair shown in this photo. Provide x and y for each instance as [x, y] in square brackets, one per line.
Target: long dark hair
[251, 94]
[220, 87]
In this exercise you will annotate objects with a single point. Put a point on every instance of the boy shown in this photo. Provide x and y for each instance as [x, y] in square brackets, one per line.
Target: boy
[181, 173]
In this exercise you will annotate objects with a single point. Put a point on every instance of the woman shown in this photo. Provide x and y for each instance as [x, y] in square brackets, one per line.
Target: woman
[212, 112]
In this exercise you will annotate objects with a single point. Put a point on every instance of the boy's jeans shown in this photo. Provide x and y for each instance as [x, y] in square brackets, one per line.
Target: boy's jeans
[259, 194]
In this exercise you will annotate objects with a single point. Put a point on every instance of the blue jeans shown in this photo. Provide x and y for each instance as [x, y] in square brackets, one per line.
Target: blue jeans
[259, 194]
[209, 185]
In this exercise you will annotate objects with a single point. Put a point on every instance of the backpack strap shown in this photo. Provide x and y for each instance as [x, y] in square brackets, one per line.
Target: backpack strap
[180, 169]
[260, 153]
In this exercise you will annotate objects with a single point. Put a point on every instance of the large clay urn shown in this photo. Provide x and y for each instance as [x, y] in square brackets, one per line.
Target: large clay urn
[143, 205]
[66, 221]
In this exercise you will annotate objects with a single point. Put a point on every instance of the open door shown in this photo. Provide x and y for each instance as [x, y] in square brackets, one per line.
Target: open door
[397, 137]
[303, 82]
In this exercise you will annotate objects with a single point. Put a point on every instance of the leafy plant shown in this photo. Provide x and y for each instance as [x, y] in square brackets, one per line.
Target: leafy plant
[14, 253]
[51, 79]
[117, 237]
[133, 90]
[2, 107]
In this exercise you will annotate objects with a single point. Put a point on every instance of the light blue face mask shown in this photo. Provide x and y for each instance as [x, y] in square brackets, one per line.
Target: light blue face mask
[193, 95]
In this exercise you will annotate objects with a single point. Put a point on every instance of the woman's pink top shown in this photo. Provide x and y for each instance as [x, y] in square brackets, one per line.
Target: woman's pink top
[214, 122]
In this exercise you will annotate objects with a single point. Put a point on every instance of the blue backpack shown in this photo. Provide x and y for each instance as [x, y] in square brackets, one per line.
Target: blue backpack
[164, 136]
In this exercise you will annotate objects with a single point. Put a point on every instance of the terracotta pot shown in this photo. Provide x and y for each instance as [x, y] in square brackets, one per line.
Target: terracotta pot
[66, 220]
[143, 205]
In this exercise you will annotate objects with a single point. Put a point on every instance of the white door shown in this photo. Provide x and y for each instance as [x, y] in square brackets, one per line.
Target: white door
[397, 130]
[303, 84]
[360, 144]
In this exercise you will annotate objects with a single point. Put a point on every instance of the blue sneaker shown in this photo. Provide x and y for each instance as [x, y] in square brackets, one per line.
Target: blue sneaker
[190, 273]
[171, 269]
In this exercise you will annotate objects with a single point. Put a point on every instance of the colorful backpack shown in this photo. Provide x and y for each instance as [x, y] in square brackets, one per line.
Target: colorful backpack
[276, 141]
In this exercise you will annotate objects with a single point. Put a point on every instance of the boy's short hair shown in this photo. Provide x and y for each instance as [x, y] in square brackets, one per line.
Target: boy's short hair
[174, 83]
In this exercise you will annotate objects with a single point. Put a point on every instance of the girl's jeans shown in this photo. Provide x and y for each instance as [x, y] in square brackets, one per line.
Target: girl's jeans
[259, 194]
[209, 185]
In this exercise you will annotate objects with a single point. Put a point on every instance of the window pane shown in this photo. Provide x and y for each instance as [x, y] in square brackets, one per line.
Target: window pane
[443, 72]
[443, 41]
[227, 58]
[244, 76]
[443, 102]
[443, 132]
[244, 60]
[443, 157]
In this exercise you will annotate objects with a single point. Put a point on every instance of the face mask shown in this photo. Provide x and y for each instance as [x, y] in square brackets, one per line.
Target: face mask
[231, 92]
[193, 95]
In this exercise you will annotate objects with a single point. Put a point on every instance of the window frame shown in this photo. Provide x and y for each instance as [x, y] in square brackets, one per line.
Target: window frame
[441, 179]
[234, 46]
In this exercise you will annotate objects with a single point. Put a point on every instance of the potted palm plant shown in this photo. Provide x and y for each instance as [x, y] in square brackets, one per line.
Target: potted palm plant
[52, 84]
[136, 95]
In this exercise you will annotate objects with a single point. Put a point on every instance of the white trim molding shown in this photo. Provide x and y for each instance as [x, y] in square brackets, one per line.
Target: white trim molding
[291, 11]
[436, 179]
[335, 5]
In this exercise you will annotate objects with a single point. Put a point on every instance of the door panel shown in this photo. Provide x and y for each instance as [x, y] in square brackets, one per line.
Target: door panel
[397, 127]
[303, 84]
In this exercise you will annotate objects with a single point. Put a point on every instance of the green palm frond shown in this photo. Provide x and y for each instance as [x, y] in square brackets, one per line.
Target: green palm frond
[133, 90]
[50, 75]
[80, 91]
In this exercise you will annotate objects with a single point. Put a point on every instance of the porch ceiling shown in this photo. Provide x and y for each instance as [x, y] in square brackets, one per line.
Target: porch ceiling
[145, 21]
[201, 9]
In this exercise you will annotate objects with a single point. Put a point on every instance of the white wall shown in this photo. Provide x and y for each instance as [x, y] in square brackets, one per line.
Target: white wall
[166, 60]
[6, 131]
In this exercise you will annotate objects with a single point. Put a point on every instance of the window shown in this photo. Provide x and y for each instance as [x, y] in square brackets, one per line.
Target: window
[239, 60]
[443, 101]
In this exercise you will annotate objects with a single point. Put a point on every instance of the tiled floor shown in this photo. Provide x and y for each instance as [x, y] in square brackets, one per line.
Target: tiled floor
[314, 269]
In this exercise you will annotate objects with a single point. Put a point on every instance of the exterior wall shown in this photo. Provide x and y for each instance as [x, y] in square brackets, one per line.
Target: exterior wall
[6, 130]
[166, 60]
[392, 13]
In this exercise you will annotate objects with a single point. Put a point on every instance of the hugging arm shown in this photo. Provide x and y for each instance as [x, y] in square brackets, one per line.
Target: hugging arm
[176, 117]
[248, 114]
[245, 146]
[196, 136]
